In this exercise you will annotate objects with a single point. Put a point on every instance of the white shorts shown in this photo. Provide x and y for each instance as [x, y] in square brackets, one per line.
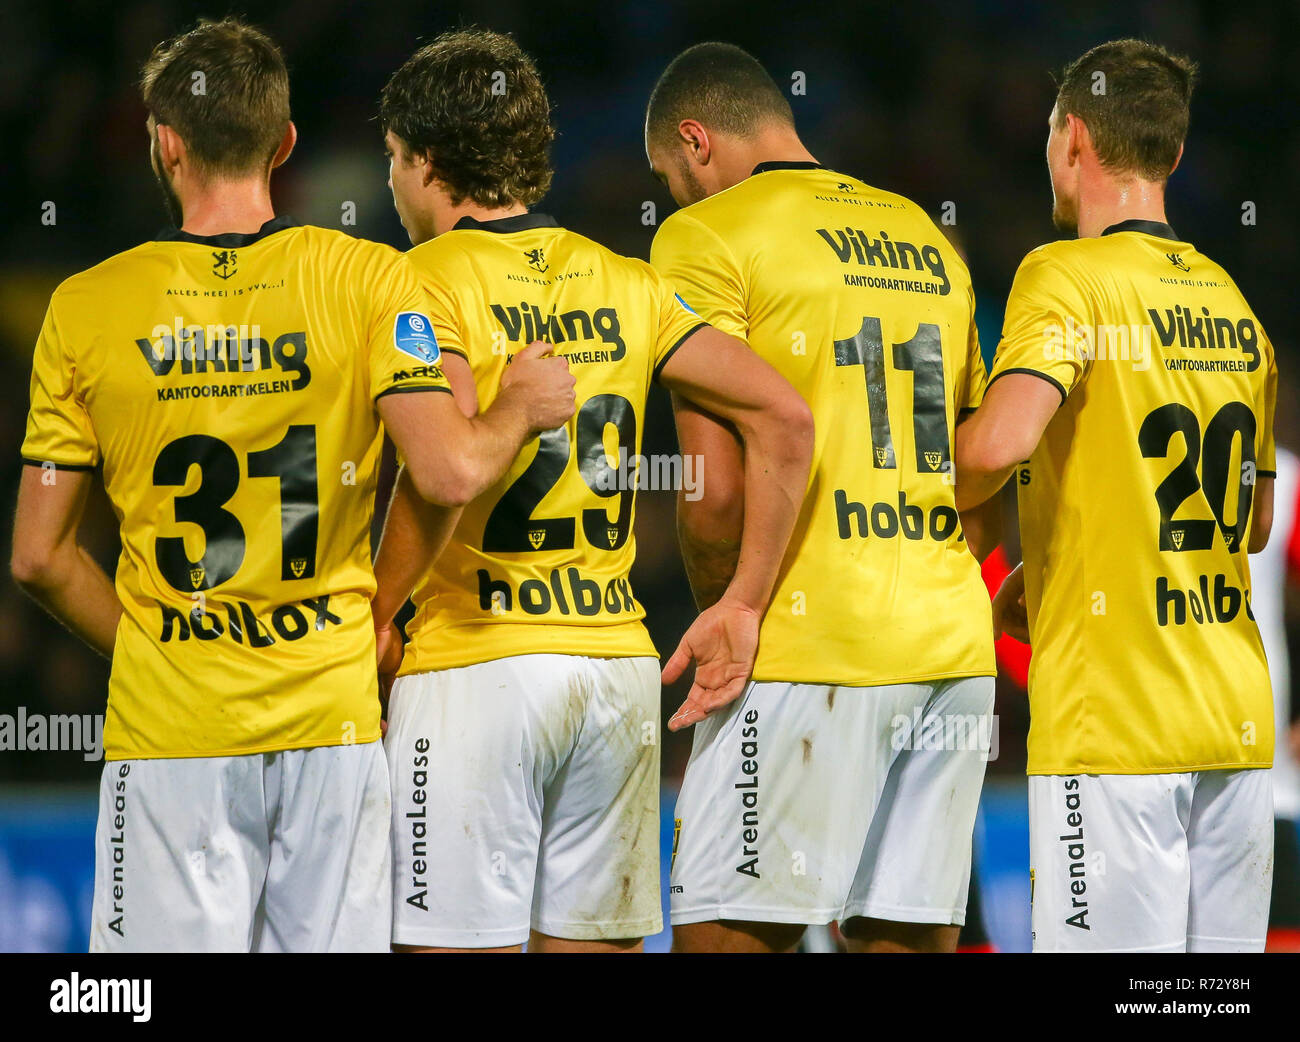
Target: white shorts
[1151, 862]
[273, 852]
[525, 794]
[805, 803]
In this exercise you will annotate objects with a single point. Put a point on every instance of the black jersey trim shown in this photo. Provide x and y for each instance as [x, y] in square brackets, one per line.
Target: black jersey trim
[411, 390]
[1156, 228]
[521, 222]
[1033, 372]
[228, 240]
[673, 350]
[781, 164]
[1266, 473]
[454, 351]
[57, 465]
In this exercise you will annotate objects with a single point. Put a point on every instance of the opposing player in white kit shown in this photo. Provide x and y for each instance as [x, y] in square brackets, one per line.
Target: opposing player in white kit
[524, 726]
[225, 377]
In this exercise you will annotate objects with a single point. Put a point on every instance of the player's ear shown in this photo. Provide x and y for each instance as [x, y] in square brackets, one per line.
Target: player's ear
[428, 175]
[695, 139]
[171, 148]
[1079, 138]
[286, 145]
[1177, 159]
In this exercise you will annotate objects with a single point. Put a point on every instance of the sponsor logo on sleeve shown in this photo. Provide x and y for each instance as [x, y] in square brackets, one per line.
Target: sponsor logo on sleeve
[413, 335]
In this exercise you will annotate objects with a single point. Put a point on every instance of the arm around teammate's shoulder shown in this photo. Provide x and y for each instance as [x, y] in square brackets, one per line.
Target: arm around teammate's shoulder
[1002, 432]
[453, 458]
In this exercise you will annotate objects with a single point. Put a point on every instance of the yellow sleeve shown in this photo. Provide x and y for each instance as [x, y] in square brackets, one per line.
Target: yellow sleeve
[1042, 332]
[59, 430]
[438, 272]
[676, 322]
[1265, 447]
[698, 264]
[403, 349]
[977, 376]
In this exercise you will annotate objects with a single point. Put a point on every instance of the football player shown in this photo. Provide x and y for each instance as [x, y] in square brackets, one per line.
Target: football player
[524, 726]
[229, 379]
[1136, 382]
[843, 785]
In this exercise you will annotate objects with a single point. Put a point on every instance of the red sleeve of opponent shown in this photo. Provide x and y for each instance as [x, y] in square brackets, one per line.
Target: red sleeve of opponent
[1293, 540]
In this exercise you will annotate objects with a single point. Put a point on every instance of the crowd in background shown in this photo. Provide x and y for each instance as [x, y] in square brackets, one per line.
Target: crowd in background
[947, 104]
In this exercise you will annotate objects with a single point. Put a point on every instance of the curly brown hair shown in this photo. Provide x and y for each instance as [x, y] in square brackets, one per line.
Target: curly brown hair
[472, 103]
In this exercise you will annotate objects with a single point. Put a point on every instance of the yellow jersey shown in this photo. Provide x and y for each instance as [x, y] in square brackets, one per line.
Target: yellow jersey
[540, 562]
[227, 385]
[858, 300]
[1135, 507]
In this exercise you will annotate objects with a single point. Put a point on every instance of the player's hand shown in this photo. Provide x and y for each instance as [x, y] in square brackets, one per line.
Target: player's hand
[722, 642]
[388, 655]
[541, 382]
[1010, 616]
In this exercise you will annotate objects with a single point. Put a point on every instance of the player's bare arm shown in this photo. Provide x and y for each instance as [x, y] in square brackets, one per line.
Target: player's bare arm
[1003, 431]
[982, 524]
[52, 567]
[415, 529]
[1261, 514]
[468, 454]
[721, 375]
[415, 532]
[709, 523]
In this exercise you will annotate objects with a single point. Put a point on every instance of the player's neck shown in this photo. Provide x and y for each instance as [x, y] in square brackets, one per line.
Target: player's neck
[220, 207]
[446, 219]
[774, 145]
[1110, 200]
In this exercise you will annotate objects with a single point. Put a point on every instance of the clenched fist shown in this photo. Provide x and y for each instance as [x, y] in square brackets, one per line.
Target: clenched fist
[540, 380]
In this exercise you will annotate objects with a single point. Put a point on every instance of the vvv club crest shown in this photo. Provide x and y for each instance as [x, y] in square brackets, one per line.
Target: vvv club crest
[224, 263]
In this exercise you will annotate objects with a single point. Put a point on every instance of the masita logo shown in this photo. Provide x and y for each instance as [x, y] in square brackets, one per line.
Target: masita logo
[71, 994]
[413, 334]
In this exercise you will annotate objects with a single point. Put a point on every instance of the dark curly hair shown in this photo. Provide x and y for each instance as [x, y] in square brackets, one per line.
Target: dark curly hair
[471, 103]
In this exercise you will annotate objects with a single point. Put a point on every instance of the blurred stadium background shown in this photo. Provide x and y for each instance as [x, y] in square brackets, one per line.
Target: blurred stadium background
[946, 103]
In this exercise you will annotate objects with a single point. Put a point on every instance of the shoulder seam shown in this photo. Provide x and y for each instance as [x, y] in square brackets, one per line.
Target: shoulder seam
[683, 214]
